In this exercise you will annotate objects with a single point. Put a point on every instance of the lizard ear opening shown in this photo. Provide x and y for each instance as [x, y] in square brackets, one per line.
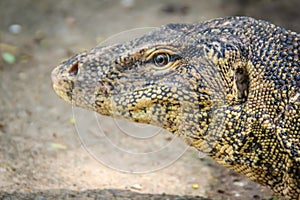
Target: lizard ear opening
[242, 84]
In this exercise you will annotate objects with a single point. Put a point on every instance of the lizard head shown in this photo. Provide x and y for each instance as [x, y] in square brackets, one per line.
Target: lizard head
[166, 78]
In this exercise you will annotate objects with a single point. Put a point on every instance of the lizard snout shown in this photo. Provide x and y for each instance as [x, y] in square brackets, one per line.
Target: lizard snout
[61, 85]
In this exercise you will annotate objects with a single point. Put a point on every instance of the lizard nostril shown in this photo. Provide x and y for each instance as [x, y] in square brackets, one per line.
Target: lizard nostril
[74, 70]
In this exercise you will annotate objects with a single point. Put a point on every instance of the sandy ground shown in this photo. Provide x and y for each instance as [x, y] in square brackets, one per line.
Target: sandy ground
[41, 153]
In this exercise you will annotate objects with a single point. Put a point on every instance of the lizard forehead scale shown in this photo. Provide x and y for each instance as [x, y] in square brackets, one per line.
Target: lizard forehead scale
[229, 87]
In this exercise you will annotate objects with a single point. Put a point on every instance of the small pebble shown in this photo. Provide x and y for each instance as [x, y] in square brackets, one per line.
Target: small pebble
[58, 146]
[73, 121]
[237, 194]
[136, 187]
[8, 58]
[15, 28]
[168, 138]
[220, 191]
[195, 186]
[241, 184]
[2, 169]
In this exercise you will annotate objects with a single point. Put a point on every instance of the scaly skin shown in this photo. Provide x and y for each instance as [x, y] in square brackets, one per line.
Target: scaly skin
[229, 87]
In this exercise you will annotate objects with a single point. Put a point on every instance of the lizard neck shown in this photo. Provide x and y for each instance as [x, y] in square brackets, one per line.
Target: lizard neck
[225, 133]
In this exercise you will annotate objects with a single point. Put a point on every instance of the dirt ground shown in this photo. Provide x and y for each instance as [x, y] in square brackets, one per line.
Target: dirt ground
[42, 156]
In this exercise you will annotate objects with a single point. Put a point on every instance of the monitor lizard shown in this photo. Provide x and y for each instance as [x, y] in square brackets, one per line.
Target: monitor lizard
[230, 87]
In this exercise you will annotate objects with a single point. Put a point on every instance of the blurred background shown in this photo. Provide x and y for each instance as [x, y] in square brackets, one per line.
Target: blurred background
[41, 156]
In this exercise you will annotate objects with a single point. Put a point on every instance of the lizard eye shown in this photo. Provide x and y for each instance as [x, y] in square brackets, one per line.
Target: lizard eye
[161, 59]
